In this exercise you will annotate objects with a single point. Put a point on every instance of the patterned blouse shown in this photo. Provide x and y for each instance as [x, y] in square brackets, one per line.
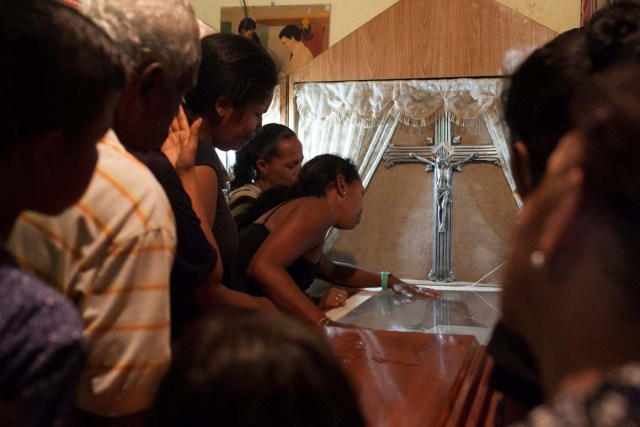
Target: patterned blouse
[615, 402]
[41, 350]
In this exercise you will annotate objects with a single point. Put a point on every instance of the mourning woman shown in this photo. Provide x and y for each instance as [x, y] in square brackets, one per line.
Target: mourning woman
[282, 249]
[272, 158]
[537, 113]
[571, 283]
[235, 86]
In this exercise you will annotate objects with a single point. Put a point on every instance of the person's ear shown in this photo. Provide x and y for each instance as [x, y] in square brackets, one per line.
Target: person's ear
[261, 165]
[223, 106]
[341, 185]
[150, 79]
[521, 168]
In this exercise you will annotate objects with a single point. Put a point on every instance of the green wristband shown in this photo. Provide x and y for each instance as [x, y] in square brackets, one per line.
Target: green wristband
[384, 279]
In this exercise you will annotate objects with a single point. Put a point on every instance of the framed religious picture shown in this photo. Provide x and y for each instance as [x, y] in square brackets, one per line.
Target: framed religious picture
[294, 33]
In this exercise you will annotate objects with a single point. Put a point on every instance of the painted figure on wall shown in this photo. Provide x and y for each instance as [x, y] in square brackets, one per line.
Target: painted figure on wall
[247, 29]
[291, 38]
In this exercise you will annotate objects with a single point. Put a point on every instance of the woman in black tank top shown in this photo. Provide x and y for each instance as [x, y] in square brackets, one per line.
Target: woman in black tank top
[281, 251]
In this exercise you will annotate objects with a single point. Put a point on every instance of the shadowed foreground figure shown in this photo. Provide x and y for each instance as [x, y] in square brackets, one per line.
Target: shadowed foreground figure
[60, 76]
[112, 252]
[571, 279]
[249, 369]
[537, 113]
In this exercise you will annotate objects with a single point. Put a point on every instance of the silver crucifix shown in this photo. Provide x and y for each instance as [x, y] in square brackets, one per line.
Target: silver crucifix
[442, 186]
[443, 160]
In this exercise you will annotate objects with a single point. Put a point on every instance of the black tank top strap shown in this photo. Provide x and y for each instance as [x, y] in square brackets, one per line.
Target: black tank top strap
[274, 211]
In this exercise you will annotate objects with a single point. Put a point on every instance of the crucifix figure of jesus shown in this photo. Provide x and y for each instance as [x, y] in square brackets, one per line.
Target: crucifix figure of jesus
[443, 158]
[442, 185]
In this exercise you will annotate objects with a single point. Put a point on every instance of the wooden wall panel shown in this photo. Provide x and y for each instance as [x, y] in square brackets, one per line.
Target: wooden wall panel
[428, 39]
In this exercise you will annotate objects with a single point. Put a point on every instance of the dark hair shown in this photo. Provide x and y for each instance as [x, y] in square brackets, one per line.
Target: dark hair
[291, 32]
[232, 66]
[614, 34]
[56, 70]
[246, 24]
[607, 114]
[242, 368]
[319, 174]
[316, 177]
[263, 146]
[537, 97]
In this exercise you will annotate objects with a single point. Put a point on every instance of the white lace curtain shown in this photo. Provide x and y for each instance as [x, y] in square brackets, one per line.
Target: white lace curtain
[358, 119]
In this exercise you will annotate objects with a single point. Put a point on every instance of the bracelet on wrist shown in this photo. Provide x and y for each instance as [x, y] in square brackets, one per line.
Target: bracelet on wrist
[384, 279]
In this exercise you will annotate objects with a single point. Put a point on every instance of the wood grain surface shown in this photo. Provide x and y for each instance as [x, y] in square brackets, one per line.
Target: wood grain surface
[416, 379]
[429, 39]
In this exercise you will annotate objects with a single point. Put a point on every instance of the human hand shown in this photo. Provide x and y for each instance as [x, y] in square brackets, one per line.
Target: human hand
[182, 142]
[335, 297]
[410, 291]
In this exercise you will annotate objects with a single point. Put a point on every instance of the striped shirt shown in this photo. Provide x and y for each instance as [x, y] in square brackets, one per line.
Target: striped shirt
[241, 199]
[111, 254]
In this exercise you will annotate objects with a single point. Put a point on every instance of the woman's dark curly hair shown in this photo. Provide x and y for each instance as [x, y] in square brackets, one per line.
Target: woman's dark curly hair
[316, 177]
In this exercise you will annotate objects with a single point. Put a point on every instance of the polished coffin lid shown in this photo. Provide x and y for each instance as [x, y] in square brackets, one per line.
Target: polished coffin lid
[416, 379]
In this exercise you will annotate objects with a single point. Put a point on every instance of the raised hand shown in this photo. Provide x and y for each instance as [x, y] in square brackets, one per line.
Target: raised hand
[181, 145]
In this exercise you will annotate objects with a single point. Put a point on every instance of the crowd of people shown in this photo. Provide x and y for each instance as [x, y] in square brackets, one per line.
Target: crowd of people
[136, 293]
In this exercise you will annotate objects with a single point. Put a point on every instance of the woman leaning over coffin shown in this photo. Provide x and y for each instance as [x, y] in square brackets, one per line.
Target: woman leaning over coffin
[281, 250]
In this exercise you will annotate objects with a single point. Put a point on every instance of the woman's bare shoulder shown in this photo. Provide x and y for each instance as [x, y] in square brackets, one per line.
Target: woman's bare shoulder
[311, 211]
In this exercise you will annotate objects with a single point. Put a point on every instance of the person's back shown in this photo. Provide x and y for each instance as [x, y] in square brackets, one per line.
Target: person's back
[41, 351]
[111, 254]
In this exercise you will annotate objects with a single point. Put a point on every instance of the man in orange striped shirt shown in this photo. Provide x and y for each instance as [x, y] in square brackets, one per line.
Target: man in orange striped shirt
[112, 252]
